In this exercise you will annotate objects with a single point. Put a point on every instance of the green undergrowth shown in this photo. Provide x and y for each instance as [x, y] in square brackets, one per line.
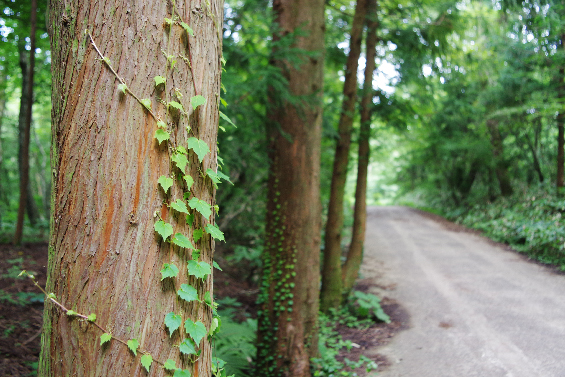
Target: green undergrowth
[531, 222]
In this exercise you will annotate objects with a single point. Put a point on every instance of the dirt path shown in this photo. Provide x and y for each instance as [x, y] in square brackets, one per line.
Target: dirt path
[475, 309]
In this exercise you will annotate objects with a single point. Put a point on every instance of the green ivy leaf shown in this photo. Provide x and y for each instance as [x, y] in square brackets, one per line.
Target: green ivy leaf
[214, 326]
[161, 124]
[165, 182]
[187, 348]
[169, 365]
[189, 181]
[146, 102]
[223, 101]
[172, 321]
[187, 28]
[122, 88]
[196, 331]
[208, 298]
[225, 117]
[71, 313]
[201, 206]
[197, 101]
[182, 373]
[189, 220]
[199, 147]
[188, 293]
[196, 254]
[169, 271]
[197, 234]
[176, 105]
[182, 241]
[215, 232]
[92, 317]
[104, 338]
[146, 361]
[180, 160]
[52, 295]
[216, 265]
[179, 206]
[181, 149]
[161, 135]
[199, 269]
[159, 80]
[133, 345]
[164, 229]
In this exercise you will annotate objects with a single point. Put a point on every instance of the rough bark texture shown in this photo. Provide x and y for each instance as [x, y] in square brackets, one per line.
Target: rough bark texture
[498, 152]
[24, 129]
[104, 255]
[561, 129]
[350, 269]
[287, 336]
[331, 293]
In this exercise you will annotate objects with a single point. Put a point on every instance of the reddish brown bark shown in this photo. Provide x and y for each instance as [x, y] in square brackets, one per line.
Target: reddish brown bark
[104, 255]
[24, 151]
[331, 293]
[287, 336]
[350, 269]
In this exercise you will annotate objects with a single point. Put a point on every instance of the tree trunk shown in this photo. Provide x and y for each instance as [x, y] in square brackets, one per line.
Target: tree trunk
[26, 105]
[287, 332]
[561, 129]
[498, 152]
[350, 269]
[330, 296]
[3, 177]
[105, 254]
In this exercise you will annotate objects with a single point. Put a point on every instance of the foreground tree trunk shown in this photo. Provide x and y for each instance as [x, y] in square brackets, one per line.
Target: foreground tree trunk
[561, 129]
[106, 248]
[350, 269]
[331, 293]
[287, 332]
[26, 105]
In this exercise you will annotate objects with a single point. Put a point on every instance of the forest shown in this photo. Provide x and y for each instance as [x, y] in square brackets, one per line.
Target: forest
[138, 137]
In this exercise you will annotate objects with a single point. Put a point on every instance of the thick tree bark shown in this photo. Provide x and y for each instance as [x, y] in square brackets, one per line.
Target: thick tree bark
[498, 152]
[104, 254]
[287, 333]
[350, 269]
[331, 293]
[24, 130]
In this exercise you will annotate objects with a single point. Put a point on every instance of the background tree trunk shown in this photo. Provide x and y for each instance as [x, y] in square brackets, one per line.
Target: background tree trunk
[287, 332]
[104, 254]
[350, 269]
[561, 128]
[498, 152]
[330, 296]
[26, 104]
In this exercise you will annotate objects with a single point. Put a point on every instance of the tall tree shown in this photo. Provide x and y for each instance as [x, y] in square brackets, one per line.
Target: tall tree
[287, 328]
[350, 269]
[135, 120]
[331, 292]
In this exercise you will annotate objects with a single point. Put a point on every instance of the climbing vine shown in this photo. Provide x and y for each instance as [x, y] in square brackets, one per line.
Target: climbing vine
[167, 118]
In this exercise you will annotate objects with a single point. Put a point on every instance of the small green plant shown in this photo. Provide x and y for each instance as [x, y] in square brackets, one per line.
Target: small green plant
[367, 305]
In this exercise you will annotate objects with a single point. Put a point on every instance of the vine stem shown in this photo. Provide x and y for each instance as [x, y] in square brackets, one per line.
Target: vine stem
[121, 80]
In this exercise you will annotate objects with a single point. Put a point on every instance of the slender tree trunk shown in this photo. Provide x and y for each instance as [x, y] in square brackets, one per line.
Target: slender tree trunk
[330, 296]
[25, 131]
[498, 152]
[287, 332]
[350, 269]
[105, 255]
[3, 197]
[561, 129]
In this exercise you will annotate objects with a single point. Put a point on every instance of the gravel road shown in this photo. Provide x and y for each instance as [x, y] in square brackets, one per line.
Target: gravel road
[475, 308]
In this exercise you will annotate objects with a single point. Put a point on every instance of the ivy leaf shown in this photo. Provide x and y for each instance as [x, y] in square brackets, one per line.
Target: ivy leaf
[180, 149]
[187, 28]
[169, 271]
[216, 265]
[215, 232]
[199, 147]
[169, 365]
[180, 160]
[146, 361]
[217, 177]
[198, 269]
[165, 182]
[182, 241]
[92, 317]
[71, 313]
[223, 101]
[225, 117]
[187, 347]
[201, 206]
[172, 321]
[146, 102]
[197, 234]
[179, 206]
[189, 220]
[133, 345]
[182, 373]
[159, 80]
[164, 229]
[122, 88]
[189, 181]
[176, 105]
[196, 254]
[161, 124]
[208, 298]
[161, 135]
[188, 293]
[197, 101]
[196, 331]
[104, 338]
[214, 326]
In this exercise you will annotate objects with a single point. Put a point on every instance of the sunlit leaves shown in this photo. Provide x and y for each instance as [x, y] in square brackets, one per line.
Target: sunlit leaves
[177, 106]
[146, 102]
[180, 160]
[196, 330]
[161, 135]
[189, 181]
[104, 338]
[179, 206]
[170, 365]
[164, 229]
[217, 177]
[92, 317]
[201, 206]
[133, 345]
[225, 117]
[187, 28]
[173, 322]
[122, 88]
[182, 241]
[187, 348]
[196, 101]
[199, 147]
[165, 182]
[188, 293]
[199, 269]
[169, 271]
[197, 234]
[215, 232]
[159, 80]
[146, 361]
